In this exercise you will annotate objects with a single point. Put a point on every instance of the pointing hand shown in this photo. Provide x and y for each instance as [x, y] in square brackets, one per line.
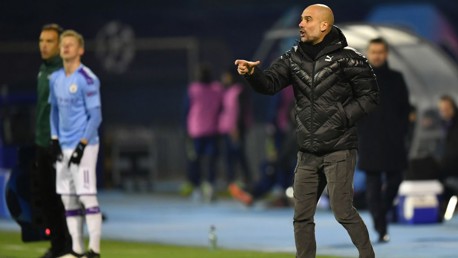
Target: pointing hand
[245, 67]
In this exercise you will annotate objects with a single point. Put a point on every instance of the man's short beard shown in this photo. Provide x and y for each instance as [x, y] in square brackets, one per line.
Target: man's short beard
[305, 41]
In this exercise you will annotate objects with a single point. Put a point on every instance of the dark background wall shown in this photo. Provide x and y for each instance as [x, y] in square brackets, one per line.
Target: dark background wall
[224, 30]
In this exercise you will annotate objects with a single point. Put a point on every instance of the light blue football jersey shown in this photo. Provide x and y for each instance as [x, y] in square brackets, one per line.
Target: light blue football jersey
[74, 95]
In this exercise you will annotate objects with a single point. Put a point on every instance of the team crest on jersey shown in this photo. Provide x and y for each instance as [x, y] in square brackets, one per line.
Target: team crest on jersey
[73, 88]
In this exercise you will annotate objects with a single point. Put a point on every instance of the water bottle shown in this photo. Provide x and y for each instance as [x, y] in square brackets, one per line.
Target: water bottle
[212, 238]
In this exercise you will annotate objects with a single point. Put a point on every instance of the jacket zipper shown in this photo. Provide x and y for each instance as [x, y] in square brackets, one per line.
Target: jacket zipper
[312, 107]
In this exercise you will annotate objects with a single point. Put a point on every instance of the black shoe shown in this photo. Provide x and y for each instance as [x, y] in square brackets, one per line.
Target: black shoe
[72, 255]
[92, 254]
[52, 254]
[384, 239]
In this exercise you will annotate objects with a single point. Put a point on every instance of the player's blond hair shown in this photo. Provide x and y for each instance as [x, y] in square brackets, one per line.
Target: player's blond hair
[72, 33]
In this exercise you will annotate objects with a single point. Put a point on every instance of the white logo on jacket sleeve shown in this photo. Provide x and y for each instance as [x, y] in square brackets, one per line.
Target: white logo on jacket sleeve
[73, 88]
[328, 58]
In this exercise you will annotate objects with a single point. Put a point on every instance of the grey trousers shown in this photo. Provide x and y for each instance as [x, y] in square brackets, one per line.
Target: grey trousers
[312, 174]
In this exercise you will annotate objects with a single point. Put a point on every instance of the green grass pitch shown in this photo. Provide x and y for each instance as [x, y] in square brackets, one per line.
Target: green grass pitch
[12, 247]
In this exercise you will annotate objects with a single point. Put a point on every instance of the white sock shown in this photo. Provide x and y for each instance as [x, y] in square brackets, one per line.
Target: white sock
[94, 225]
[93, 221]
[74, 215]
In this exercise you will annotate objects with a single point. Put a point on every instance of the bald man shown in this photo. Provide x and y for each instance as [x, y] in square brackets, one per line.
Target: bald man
[334, 87]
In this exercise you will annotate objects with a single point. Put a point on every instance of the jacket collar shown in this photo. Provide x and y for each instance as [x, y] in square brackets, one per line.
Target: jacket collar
[383, 68]
[53, 61]
[337, 41]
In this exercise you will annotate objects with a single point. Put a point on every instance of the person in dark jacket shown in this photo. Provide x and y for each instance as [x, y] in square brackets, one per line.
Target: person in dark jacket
[449, 159]
[334, 87]
[44, 177]
[383, 136]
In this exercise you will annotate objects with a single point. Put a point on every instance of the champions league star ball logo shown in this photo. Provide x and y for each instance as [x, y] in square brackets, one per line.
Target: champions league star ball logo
[73, 88]
[115, 46]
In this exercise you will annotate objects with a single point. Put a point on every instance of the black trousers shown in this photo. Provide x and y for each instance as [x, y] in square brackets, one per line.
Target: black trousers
[380, 196]
[312, 174]
[49, 203]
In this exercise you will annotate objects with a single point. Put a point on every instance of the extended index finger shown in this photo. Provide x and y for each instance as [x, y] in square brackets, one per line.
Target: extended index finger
[240, 62]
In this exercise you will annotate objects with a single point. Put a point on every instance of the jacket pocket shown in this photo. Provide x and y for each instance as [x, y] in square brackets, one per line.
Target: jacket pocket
[336, 157]
[342, 114]
[337, 168]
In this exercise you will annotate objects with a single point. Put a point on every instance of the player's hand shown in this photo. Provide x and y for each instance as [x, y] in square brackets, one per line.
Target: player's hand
[77, 154]
[56, 151]
[245, 67]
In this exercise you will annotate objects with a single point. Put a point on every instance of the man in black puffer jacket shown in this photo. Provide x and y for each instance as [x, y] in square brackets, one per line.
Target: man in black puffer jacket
[334, 87]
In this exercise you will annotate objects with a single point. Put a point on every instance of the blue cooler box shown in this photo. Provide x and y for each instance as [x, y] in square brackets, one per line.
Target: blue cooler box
[419, 202]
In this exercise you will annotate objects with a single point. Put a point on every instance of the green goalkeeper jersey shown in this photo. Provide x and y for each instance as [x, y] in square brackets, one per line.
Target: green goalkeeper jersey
[43, 111]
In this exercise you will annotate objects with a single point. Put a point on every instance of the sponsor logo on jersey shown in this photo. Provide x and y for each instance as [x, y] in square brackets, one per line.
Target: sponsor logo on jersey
[73, 88]
[67, 101]
[91, 93]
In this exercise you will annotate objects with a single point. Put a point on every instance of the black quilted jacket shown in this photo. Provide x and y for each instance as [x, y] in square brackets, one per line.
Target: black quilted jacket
[332, 93]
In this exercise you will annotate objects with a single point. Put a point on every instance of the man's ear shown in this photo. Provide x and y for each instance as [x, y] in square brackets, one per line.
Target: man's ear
[324, 26]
